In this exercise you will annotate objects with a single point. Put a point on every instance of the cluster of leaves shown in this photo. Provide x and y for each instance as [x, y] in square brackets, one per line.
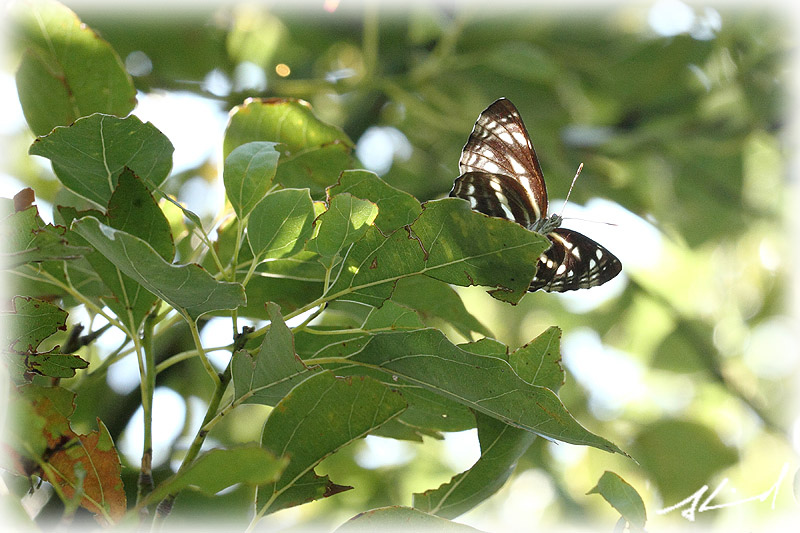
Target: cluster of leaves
[377, 256]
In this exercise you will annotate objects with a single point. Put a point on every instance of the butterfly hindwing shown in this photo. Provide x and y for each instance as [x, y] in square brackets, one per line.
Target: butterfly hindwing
[573, 261]
[501, 177]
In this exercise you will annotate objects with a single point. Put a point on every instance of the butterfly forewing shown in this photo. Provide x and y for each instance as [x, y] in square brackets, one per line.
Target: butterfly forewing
[499, 144]
[495, 195]
[501, 177]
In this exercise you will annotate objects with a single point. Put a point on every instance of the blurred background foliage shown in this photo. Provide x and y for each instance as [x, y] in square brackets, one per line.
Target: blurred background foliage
[679, 115]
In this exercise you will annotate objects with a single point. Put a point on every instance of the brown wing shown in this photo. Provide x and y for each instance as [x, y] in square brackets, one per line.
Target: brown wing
[495, 195]
[499, 144]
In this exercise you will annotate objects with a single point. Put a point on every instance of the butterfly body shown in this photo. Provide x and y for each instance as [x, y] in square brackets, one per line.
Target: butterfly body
[501, 177]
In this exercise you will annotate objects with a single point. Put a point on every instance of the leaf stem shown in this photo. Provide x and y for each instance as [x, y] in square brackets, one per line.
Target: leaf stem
[148, 384]
[201, 351]
[194, 449]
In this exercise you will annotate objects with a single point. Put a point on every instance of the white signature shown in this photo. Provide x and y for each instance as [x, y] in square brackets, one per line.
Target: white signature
[694, 499]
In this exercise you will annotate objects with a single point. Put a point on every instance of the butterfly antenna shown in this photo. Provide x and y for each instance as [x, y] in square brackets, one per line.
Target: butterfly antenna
[578, 173]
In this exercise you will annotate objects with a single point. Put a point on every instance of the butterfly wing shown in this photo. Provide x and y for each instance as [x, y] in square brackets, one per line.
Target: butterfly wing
[574, 261]
[496, 195]
[499, 144]
[501, 177]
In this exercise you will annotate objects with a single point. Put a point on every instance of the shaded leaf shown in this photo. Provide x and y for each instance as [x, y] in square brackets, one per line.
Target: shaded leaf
[27, 239]
[539, 361]
[133, 210]
[484, 383]
[30, 322]
[622, 497]
[269, 375]
[280, 224]
[392, 316]
[52, 364]
[218, 469]
[248, 174]
[437, 303]
[67, 70]
[501, 447]
[398, 518]
[681, 456]
[319, 416]
[89, 155]
[186, 287]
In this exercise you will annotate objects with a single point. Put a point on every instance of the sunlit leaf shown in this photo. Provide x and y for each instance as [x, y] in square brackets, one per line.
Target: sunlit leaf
[448, 242]
[345, 221]
[539, 361]
[313, 153]
[67, 70]
[396, 208]
[248, 174]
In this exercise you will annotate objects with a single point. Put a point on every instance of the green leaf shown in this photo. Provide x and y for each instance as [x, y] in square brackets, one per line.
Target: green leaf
[248, 174]
[89, 155]
[426, 409]
[438, 304]
[345, 221]
[27, 239]
[133, 210]
[280, 224]
[539, 361]
[185, 287]
[622, 497]
[398, 518]
[501, 447]
[67, 70]
[681, 456]
[313, 153]
[290, 294]
[51, 364]
[484, 383]
[30, 322]
[269, 375]
[318, 417]
[392, 316]
[395, 207]
[218, 469]
[449, 242]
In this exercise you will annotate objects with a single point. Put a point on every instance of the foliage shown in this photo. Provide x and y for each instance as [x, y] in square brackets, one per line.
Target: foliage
[343, 292]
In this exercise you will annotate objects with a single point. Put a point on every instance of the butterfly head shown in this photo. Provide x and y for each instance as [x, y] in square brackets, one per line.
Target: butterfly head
[546, 225]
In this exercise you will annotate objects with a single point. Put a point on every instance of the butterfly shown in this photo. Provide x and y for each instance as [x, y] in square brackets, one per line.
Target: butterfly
[501, 177]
